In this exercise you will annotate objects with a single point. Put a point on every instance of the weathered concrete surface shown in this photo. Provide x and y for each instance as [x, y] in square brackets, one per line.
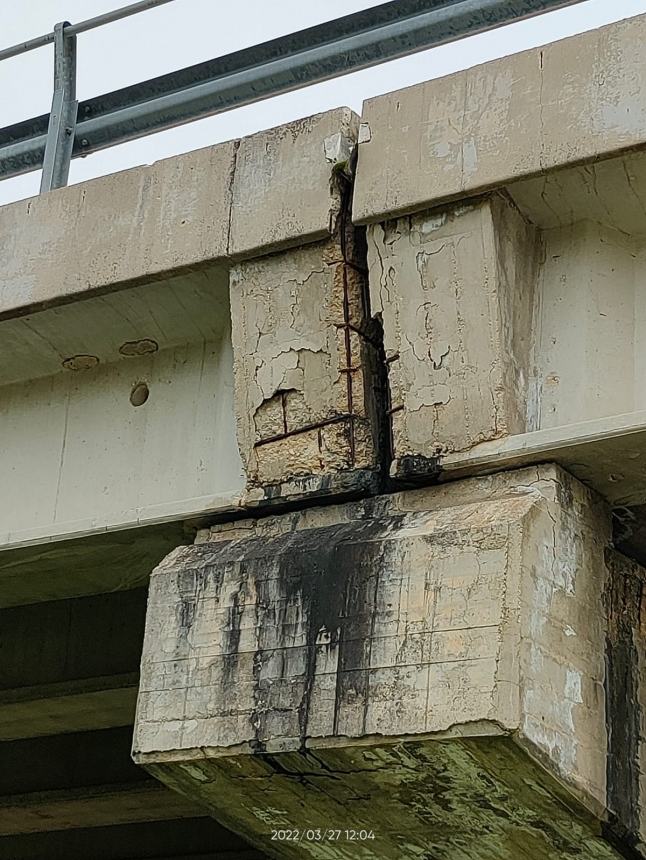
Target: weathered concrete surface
[305, 368]
[607, 454]
[611, 192]
[625, 689]
[468, 799]
[454, 291]
[238, 198]
[116, 382]
[457, 669]
[514, 328]
[126, 226]
[68, 686]
[472, 609]
[574, 100]
[589, 317]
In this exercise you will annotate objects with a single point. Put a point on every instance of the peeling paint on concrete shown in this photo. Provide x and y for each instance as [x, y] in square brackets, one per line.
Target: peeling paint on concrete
[454, 292]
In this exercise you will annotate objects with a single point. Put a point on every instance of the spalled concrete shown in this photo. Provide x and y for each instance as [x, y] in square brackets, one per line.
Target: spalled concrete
[140, 335]
[305, 370]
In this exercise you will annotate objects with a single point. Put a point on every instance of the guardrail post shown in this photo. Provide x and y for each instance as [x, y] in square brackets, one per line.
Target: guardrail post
[62, 119]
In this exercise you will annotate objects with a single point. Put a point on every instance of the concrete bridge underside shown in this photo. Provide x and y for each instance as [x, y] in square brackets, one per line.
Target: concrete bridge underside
[71, 630]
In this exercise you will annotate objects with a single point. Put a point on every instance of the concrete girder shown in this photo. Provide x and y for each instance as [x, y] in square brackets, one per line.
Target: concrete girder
[70, 665]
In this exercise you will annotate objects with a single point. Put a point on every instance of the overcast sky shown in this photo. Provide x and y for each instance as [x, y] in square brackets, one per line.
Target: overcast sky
[187, 31]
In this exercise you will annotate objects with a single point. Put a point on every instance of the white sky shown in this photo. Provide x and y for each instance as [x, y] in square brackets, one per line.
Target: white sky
[187, 31]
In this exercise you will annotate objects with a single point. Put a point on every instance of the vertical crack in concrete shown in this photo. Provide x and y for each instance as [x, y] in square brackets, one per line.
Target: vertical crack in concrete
[232, 176]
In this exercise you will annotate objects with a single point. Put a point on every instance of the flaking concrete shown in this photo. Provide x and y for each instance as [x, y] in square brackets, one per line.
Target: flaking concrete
[304, 366]
[574, 100]
[454, 290]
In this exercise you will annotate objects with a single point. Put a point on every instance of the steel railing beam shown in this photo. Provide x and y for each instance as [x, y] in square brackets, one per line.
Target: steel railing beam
[386, 32]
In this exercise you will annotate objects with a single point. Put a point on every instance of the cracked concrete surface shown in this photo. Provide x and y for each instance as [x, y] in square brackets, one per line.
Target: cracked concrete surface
[306, 375]
[403, 664]
[282, 188]
[574, 100]
[305, 363]
[391, 801]
[236, 200]
[454, 292]
[513, 313]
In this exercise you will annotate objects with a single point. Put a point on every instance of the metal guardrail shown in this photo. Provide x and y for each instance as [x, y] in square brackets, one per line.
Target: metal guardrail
[357, 41]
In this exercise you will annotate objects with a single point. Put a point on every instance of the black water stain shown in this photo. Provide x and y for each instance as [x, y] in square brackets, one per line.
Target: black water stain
[232, 631]
[191, 584]
[323, 582]
[623, 601]
[413, 469]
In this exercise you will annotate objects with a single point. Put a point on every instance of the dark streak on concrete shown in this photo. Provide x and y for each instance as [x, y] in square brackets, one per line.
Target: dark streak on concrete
[379, 405]
[191, 584]
[623, 601]
[616, 836]
[232, 634]
[414, 469]
[303, 492]
[332, 579]
[325, 579]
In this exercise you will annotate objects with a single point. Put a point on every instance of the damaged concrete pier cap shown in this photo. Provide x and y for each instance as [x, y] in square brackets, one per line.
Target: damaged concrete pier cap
[415, 654]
